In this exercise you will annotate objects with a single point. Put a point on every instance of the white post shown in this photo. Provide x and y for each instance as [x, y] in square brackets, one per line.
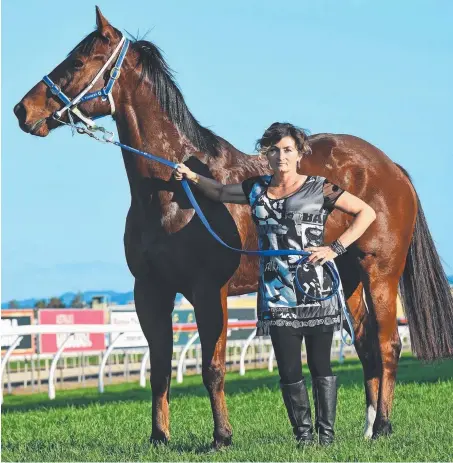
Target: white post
[179, 373]
[270, 364]
[53, 367]
[244, 351]
[341, 353]
[5, 361]
[143, 369]
[103, 363]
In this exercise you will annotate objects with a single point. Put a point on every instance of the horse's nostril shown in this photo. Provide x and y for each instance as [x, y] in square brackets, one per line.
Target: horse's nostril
[20, 112]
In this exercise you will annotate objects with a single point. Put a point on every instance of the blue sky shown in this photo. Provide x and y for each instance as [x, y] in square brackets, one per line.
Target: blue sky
[378, 70]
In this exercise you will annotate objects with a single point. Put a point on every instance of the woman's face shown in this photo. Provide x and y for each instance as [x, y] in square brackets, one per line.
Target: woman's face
[283, 156]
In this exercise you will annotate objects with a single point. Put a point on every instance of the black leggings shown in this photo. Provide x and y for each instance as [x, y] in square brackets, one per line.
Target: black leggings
[287, 342]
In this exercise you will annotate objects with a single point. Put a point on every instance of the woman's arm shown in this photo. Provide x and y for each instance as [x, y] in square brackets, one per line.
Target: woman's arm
[212, 188]
[364, 217]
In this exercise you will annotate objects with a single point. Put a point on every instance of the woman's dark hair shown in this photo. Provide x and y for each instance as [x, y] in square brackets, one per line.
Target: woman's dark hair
[277, 131]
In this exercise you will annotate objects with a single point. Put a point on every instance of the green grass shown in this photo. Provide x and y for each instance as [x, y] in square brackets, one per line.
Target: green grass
[82, 425]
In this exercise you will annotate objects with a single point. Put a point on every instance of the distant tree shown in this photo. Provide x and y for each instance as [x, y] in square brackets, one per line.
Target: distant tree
[41, 304]
[13, 304]
[77, 302]
[56, 303]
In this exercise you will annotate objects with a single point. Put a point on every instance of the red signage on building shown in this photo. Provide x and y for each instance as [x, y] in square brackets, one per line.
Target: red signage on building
[50, 343]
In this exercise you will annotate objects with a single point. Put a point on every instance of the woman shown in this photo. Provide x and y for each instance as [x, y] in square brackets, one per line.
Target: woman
[290, 210]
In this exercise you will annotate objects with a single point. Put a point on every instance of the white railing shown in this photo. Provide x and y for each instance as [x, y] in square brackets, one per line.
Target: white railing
[19, 331]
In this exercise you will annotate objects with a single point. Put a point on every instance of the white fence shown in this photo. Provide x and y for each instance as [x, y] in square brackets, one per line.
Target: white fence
[338, 348]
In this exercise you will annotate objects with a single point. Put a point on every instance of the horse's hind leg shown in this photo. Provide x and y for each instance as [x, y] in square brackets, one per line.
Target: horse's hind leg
[367, 347]
[210, 303]
[381, 291]
[154, 303]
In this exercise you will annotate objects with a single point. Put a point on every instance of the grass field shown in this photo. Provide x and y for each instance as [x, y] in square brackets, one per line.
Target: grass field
[82, 425]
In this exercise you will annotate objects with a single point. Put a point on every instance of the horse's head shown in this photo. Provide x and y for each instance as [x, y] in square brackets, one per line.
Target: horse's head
[38, 111]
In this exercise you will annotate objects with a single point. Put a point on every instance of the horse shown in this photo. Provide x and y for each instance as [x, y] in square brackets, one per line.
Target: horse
[168, 250]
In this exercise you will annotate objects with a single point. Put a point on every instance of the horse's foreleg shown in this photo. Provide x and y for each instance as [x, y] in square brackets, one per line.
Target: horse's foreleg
[210, 303]
[154, 303]
[382, 292]
[367, 347]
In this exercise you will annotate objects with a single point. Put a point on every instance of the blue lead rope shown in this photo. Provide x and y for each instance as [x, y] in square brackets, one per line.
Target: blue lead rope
[271, 252]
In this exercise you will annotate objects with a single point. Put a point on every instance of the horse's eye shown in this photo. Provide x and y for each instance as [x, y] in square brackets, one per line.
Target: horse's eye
[77, 63]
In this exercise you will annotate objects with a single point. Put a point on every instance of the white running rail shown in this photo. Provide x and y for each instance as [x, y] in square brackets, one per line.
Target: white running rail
[70, 330]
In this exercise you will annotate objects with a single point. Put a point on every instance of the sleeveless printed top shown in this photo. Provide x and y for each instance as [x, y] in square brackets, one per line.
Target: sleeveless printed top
[294, 222]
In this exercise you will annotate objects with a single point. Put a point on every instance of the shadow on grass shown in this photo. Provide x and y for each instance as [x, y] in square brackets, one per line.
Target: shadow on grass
[350, 373]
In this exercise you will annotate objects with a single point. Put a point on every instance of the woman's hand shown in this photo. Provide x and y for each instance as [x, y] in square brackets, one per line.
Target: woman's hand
[320, 254]
[182, 171]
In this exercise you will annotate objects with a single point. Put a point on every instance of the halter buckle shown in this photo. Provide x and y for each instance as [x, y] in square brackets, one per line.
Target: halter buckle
[55, 89]
[115, 72]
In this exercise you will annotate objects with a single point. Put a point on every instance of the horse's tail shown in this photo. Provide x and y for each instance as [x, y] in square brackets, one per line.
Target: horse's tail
[426, 294]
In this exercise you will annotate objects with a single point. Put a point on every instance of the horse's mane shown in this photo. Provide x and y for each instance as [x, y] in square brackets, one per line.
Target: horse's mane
[168, 94]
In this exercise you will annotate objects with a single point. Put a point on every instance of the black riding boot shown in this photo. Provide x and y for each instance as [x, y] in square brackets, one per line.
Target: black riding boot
[295, 396]
[325, 397]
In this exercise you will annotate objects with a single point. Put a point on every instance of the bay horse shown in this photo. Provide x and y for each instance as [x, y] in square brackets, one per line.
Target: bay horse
[168, 250]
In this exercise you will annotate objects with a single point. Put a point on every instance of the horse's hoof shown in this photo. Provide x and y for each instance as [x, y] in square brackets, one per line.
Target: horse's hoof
[383, 428]
[157, 439]
[222, 442]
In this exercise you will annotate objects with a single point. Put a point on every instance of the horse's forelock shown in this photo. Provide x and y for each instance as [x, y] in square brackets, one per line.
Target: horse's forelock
[86, 45]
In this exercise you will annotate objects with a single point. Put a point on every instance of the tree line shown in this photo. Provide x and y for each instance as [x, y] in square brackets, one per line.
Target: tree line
[53, 303]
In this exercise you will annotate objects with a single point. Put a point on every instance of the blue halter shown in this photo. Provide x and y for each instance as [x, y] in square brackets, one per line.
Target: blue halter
[105, 93]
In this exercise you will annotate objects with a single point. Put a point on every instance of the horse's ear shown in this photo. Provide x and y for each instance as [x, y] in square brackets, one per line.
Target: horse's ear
[104, 27]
